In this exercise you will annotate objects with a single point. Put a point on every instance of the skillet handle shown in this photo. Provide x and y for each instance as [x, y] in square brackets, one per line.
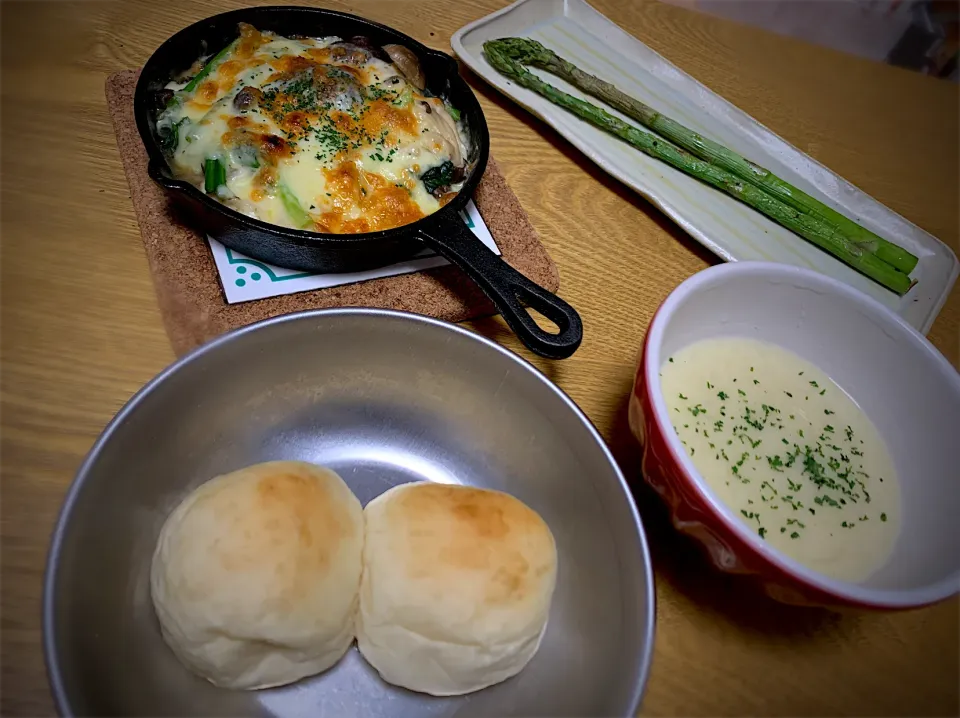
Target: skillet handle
[506, 287]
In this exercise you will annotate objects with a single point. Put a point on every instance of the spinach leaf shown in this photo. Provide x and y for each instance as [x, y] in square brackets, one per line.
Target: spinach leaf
[439, 176]
[170, 136]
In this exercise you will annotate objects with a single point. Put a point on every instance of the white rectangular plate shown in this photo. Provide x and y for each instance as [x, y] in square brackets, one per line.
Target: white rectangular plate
[726, 227]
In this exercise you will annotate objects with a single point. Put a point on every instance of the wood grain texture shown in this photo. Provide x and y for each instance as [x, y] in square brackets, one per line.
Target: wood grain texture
[81, 331]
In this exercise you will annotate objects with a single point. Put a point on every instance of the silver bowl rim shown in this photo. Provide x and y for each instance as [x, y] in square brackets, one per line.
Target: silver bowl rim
[56, 543]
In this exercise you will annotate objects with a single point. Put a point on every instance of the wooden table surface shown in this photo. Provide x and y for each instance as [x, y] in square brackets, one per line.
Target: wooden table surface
[81, 329]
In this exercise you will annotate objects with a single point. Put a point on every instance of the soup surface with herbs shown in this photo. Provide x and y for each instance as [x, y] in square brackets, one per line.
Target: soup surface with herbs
[325, 134]
[788, 450]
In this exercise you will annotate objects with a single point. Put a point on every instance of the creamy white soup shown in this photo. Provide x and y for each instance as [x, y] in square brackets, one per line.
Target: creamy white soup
[788, 450]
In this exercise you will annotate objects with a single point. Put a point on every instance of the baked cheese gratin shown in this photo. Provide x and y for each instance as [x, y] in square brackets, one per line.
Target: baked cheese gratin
[322, 134]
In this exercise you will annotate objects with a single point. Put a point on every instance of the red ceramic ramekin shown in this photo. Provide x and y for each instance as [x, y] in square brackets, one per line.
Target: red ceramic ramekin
[903, 384]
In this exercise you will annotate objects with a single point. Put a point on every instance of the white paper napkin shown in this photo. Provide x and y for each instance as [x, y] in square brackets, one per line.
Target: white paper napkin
[244, 279]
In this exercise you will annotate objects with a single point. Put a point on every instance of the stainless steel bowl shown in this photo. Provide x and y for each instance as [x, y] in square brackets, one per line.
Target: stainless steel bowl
[382, 398]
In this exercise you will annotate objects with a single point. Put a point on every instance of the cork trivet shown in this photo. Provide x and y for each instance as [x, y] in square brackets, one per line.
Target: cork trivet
[191, 300]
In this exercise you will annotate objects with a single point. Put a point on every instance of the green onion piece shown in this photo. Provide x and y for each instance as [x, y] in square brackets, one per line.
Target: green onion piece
[454, 112]
[208, 68]
[214, 174]
[290, 202]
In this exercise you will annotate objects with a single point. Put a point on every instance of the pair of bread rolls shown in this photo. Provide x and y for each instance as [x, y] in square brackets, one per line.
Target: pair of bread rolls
[265, 575]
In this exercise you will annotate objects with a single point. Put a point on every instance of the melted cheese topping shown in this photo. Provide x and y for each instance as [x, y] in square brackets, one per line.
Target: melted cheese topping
[314, 134]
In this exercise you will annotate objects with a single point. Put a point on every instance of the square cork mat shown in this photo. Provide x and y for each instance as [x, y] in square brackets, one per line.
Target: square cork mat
[185, 277]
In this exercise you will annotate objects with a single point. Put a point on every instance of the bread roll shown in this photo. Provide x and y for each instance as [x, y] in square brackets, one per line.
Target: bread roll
[255, 575]
[456, 587]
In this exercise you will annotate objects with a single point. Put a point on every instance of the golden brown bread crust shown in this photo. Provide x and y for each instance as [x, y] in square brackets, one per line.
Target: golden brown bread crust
[256, 574]
[456, 588]
[467, 529]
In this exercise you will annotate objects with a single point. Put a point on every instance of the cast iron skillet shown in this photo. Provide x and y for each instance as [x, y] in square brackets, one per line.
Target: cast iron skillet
[443, 231]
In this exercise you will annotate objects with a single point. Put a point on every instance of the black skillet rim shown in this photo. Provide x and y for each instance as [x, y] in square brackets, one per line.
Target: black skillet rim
[142, 112]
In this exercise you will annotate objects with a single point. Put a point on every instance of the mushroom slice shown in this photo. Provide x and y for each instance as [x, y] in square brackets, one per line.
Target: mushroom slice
[439, 125]
[367, 44]
[407, 63]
